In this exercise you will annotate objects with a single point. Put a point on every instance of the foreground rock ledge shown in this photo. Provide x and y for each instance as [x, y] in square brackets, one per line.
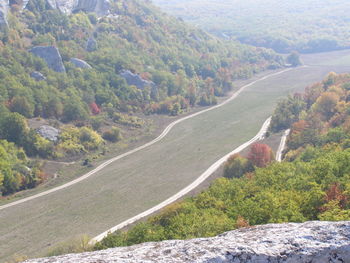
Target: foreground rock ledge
[311, 242]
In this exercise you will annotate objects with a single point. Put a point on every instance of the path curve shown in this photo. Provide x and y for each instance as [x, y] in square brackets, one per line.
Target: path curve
[187, 189]
[282, 146]
[160, 137]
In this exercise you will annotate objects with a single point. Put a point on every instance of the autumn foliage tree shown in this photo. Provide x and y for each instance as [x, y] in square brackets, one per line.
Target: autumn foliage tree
[335, 193]
[326, 103]
[260, 155]
[95, 110]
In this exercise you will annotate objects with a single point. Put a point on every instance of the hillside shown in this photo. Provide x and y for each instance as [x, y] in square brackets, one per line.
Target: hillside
[311, 183]
[303, 25]
[142, 180]
[77, 77]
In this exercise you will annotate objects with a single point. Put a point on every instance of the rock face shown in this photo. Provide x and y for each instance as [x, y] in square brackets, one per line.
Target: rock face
[79, 63]
[4, 7]
[51, 55]
[310, 242]
[140, 83]
[65, 6]
[99, 7]
[49, 132]
[25, 2]
[37, 76]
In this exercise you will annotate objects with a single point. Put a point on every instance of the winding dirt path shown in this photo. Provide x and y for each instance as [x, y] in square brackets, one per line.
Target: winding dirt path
[187, 189]
[160, 137]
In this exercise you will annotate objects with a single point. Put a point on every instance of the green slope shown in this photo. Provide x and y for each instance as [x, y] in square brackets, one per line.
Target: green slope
[187, 66]
[148, 177]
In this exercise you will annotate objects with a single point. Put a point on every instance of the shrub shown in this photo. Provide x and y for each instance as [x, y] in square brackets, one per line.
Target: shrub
[236, 166]
[113, 135]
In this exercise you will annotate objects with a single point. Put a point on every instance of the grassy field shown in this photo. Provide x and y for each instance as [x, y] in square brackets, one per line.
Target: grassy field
[140, 181]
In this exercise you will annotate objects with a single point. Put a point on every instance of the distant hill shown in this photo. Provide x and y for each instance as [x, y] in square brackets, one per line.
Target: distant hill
[302, 25]
[86, 68]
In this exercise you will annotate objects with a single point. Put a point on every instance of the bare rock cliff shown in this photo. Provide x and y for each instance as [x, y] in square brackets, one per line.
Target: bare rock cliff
[4, 7]
[99, 7]
[310, 242]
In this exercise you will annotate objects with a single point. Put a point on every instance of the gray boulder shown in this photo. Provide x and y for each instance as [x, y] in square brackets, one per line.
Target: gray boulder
[25, 2]
[49, 133]
[99, 7]
[79, 63]
[91, 45]
[64, 6]
[37, 76]
[140, 83]
[310, 242]
[4, 7]
[51, 55]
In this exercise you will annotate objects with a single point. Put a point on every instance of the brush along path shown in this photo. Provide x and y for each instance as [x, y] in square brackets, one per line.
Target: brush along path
[160, 137]
[187, 189]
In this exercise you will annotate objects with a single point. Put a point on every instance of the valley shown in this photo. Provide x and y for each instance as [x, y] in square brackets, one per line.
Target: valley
[141, 180]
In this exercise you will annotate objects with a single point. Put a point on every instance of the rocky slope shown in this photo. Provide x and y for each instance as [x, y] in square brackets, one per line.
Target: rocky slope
[4, 5]
[308, 242]
[100, 7]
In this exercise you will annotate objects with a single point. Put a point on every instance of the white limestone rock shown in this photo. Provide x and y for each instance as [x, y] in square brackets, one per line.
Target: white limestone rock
[49, 133]
[79, 63]
[4, 7]
[99, 7]
[25, 2]
[310, 242]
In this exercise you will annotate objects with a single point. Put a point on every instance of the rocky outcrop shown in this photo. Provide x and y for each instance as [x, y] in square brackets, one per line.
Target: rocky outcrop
[311, 242]
[79, 63]
[65, 6]
[91, 45]
[4, 7]
[24, 3]
[49, 133]
[37, 75]
[140, 83]
[99, 7]
[51, 55]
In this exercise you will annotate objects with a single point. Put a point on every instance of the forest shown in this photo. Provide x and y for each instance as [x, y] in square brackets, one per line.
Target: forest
[91, 107]
[279, 25]
[311, 183]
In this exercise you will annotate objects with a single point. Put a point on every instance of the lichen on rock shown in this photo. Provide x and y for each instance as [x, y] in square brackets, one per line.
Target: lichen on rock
[49, 133]
[310, 242]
